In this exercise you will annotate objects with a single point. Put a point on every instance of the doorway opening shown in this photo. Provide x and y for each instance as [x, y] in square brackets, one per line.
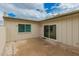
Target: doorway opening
[50, 31]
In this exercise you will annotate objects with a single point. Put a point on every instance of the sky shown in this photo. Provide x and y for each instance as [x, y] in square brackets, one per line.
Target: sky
[36, 11]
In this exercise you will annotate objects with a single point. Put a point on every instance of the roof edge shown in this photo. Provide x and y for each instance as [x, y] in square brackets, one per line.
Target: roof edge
[18, 19]
[57, 16]
[65, 14]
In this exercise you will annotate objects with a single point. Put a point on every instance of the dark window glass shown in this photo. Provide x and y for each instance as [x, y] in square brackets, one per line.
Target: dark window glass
[50, 31]
[24, 28]
[53, 31]
[28, 28]
[46, 31]
[21, 28]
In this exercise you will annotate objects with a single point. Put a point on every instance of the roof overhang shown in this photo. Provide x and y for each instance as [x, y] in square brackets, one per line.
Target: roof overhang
[63, 15]
[6, 17]
[57, 16]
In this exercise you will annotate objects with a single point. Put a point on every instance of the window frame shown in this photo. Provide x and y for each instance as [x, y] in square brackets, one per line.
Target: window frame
[29, 28]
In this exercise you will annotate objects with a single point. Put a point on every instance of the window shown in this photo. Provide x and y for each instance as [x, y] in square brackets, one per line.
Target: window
[24, 28]
[50, 31]
[21, 28]
[53, 31]
[28, 28]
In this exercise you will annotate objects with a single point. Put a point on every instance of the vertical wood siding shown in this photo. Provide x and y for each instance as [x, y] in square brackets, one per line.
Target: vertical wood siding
[67, 29]
[75, 31]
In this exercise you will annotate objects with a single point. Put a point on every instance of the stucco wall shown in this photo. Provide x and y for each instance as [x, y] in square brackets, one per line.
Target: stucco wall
[67, 30]
[2, 39]
[12, 30]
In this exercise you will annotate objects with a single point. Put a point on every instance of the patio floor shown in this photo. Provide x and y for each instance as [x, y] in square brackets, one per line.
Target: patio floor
[35, 47]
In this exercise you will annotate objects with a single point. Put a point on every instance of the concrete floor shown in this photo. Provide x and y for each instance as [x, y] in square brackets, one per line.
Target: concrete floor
[35, 47]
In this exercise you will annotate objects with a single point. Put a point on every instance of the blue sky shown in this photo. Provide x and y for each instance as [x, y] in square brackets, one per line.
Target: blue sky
[51, 7]
[36, 11]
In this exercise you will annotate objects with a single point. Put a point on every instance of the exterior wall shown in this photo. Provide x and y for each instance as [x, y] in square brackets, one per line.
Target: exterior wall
[2, 39]
[12, 30]
[67, 30]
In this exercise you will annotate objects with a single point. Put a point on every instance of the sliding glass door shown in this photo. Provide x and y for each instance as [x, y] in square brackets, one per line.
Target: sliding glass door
[50, 31]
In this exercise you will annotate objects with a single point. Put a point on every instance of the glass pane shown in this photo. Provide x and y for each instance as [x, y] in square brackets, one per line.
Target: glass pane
[28, 28]
[46, 31]
[53, 31]
[21, 28]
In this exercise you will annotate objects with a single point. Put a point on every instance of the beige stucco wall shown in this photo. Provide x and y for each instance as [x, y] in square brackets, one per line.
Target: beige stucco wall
[2, 39]
[67, 30]
[12, 30]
